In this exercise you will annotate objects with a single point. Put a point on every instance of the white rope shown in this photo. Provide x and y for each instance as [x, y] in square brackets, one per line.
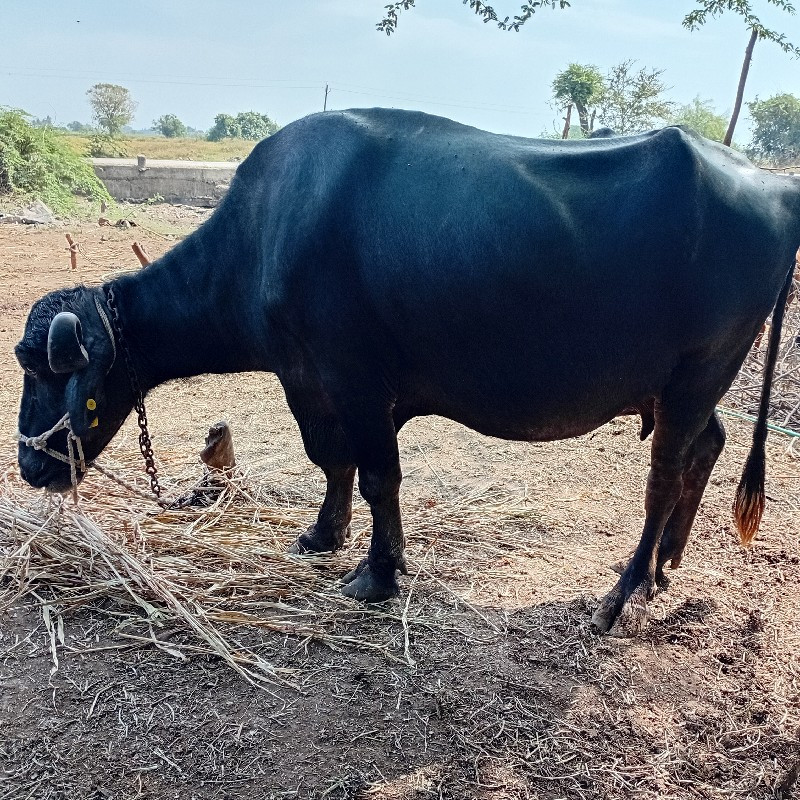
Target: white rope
[107, 326]
[76, 460]
[74, 456]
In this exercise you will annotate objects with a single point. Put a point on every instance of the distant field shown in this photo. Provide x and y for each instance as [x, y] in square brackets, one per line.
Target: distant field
[160, 147]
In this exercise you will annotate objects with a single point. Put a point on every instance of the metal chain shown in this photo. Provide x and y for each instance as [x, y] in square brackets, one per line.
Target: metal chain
[145, 445]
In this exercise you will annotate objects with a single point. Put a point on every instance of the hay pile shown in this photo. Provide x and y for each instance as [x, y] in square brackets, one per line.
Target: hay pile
[209, 571]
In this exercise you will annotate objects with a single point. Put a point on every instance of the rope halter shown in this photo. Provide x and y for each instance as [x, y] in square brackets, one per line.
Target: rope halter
[74, 455]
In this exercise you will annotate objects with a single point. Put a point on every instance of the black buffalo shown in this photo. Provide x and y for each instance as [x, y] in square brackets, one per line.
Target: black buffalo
[390, 264]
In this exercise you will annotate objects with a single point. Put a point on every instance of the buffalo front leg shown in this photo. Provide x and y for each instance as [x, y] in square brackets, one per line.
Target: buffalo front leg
[327, 447]
[701, 461]
[329, 532]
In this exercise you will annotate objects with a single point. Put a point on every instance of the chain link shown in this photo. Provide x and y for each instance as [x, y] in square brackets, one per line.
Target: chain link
[145, 445]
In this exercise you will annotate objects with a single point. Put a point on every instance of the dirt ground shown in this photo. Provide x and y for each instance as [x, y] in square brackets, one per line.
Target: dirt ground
[492, 684]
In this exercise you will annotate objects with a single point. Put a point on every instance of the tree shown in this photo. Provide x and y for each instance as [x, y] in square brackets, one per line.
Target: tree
[170, 126]
[744, 8]
[579, 85]
[700, 116]
[79, 127]
[632, 100]
[112, 106]
[225, 127]
[245, 125]
[694, 19]
[255, 126]
[705, 10]
[776, 132]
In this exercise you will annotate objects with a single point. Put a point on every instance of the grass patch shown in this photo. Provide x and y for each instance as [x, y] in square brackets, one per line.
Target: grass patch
[189, 149]
[35, 163]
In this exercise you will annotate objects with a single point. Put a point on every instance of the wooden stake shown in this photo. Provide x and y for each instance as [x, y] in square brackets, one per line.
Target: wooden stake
[142, 254]
[73, 252]
[218, 452]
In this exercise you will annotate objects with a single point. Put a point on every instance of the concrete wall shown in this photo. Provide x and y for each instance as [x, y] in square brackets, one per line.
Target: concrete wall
[200, 183]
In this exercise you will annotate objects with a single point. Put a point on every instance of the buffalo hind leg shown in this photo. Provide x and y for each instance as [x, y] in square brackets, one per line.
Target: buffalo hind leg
[374, 443]
[623, 610]
[702, 458]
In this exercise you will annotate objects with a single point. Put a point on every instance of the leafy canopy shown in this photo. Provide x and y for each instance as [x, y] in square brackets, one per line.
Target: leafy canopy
[627, 100]
[245, 125]
[776, 129]
[633, 99]
[705, 10]
[112, 106]
[170, 126]
[700, 116]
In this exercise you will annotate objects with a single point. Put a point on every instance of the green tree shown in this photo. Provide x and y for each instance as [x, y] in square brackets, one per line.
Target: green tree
[704, 10]
[709, 9]
[245, 125]
[79, 127]
[700, 116]
[224, 127]
[632, 100]
[255, 126]
[579, 85]
[776, 131]
[170, 126]
[112, 106]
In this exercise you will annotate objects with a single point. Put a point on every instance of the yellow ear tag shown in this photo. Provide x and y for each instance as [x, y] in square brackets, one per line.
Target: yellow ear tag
[93, 423]
[90, 404]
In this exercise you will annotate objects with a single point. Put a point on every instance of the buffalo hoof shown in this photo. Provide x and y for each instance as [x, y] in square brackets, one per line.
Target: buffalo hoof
[313, 542]
[364, 585]
[620, 617]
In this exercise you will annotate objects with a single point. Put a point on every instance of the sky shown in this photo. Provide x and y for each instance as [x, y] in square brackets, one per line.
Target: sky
[198, 58]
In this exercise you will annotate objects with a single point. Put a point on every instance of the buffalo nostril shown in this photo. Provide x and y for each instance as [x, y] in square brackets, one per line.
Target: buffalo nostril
[31, 472]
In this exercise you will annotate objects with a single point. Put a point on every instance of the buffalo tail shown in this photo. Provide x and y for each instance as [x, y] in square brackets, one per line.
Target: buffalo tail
[748, 504]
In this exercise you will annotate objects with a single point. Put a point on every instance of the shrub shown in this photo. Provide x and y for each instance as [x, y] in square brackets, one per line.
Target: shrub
[101, 145]
[35, 162]
[170, 126]
[245, 125]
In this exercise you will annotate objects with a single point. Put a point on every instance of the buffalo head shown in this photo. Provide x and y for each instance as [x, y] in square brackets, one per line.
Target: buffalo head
[71, 367]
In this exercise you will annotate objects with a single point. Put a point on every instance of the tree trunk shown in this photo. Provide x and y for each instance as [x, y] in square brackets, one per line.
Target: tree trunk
[583, 116]
[737, 107]
[567, 122]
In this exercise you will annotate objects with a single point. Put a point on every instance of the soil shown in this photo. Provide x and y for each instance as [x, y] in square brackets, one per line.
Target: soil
[501, 691]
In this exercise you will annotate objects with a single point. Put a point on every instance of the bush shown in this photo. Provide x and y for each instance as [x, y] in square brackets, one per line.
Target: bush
[776, 129]
[35, 163]
[245, 125]
[170, 126]
[101, 145]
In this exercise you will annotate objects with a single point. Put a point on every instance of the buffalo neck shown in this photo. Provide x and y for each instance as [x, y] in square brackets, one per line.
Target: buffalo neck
[192, 311]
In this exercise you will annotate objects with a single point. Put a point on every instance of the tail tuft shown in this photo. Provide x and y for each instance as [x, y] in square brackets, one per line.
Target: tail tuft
[748, 504]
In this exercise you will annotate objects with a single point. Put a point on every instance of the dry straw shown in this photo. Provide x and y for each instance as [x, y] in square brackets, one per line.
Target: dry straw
[210, 571]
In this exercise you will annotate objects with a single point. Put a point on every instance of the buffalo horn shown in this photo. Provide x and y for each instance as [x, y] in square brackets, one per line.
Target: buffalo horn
[65, 351]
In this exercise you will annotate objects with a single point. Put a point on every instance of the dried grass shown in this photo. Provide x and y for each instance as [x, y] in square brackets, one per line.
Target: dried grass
[210, 570]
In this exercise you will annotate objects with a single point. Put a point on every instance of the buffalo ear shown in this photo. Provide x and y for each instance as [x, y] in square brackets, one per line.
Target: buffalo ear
[65, 350]
[84, 386]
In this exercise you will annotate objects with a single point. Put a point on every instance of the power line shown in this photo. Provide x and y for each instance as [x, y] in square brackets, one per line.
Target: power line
[281, 84]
